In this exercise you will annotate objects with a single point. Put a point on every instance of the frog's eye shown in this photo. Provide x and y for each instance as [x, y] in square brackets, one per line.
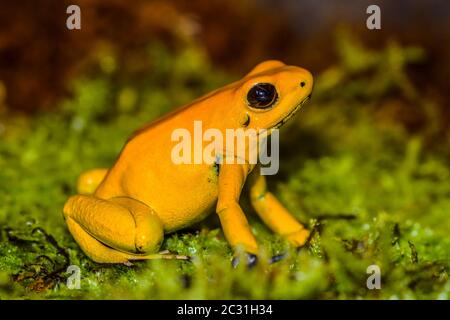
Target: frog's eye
[262, 96]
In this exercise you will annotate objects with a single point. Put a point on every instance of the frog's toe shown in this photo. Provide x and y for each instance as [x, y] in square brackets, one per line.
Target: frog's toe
[251, 260]
[149, 234]
[277, 258]
[299, 238]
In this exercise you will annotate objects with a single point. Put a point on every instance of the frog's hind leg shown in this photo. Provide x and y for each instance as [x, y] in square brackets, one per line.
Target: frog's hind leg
[102, 253]
[89, 180]
[116, 230]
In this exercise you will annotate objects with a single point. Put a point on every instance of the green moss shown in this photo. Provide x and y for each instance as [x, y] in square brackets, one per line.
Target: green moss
[370, 192]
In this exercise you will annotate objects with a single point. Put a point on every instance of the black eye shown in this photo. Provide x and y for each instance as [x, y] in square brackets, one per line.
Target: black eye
[262, 96]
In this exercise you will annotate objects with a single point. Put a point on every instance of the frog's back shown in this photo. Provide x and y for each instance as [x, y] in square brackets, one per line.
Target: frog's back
[181, 194]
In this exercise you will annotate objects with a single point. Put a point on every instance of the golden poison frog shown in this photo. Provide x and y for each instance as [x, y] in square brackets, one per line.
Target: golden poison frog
[122, 213]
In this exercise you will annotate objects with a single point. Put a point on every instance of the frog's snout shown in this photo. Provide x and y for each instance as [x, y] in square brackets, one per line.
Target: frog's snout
[306, 80]
[305, 84]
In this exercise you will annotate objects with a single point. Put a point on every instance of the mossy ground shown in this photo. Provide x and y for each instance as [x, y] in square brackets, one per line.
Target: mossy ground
[371, 192]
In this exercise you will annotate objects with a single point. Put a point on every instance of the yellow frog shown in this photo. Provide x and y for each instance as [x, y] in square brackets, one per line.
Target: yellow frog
[122, 213]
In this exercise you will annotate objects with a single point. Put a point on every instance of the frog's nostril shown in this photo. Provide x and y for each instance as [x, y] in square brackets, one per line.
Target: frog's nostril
[302, 84]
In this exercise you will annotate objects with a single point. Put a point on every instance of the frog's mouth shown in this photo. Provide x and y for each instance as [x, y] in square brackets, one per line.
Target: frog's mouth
[291, 113]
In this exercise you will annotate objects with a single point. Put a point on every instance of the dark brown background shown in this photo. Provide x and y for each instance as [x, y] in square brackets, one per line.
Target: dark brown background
[38, 55]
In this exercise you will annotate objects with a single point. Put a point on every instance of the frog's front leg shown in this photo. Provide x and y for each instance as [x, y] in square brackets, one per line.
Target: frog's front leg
[234, 223]
[273, 213]
[116, 230]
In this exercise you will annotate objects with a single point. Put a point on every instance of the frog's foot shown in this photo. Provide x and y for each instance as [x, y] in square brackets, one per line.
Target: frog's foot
[160, 255]
[89, 180]
[299, 237]
[116, 230]
[251, 260]
[277, 258]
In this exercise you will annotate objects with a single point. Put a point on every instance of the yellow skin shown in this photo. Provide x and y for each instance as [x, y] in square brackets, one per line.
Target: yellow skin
[122, 213]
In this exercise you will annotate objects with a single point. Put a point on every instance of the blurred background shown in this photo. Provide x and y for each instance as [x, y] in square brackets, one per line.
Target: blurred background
[39, 57]
[365, 164]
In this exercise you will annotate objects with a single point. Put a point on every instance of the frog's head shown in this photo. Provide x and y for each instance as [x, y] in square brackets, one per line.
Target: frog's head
[271, 94]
